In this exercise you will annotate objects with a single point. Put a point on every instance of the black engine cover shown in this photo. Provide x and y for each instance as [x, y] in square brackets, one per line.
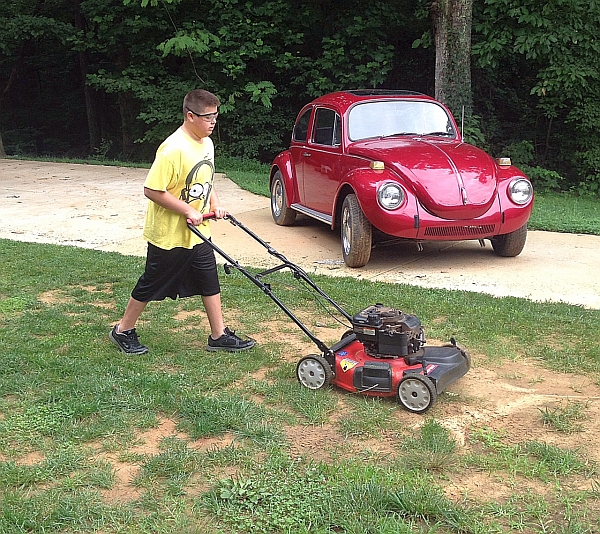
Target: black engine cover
[387, 332]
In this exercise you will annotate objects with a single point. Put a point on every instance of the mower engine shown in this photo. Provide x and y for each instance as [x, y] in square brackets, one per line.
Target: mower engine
[387, 332]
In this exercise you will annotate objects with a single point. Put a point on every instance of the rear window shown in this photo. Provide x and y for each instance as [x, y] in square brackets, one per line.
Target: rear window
[301, 127]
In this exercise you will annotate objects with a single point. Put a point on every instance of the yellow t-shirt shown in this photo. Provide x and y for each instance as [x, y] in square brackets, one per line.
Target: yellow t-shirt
[185, 168]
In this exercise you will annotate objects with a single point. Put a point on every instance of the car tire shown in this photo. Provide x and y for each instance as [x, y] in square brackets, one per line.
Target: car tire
[282, 214]
[511, 244]
[356, 233]
[314, 372]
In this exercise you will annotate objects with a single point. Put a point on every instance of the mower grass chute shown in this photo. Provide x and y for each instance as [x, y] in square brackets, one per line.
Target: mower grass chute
[383, 352]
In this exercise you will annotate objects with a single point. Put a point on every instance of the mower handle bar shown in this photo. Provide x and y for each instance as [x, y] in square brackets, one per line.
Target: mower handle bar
[297, 271]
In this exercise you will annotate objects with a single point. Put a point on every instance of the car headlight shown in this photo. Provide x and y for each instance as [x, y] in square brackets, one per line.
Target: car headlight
[520, 191]
[390, 196]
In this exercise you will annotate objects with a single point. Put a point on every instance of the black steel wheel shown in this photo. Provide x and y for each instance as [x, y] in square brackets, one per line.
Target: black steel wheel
[313, 372]
[282, 214]
[356, 232]
[511, 244]
[416, 393]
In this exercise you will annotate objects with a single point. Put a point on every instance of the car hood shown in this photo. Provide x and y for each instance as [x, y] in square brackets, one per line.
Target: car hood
[452, 180]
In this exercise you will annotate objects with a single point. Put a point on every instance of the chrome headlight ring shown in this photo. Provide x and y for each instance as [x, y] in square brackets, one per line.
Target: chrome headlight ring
[390, 196]
[520, 191]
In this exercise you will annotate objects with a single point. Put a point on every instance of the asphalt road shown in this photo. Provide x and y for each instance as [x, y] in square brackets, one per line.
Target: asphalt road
[103, 208]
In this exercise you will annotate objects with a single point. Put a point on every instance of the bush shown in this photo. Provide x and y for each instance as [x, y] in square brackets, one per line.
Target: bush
[544, 180]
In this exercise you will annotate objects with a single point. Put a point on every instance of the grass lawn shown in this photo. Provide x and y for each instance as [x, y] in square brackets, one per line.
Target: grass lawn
[186, 441]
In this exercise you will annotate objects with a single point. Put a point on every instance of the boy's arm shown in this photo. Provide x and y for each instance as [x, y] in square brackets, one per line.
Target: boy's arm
[170, 202]
[215, 205]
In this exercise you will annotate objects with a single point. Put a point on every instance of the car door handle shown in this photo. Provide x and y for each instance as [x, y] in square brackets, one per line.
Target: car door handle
[306, 154]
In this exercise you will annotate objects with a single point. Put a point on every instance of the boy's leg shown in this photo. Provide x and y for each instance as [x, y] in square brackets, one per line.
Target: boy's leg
[132, 313]
[221, 338]
[212, 305]
[123, 335]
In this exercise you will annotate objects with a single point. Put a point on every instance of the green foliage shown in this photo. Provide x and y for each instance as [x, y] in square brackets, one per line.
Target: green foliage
[559, 47]
[534, 78]
[198, 42]
[262, 59]
[544, 180]
[522, 153]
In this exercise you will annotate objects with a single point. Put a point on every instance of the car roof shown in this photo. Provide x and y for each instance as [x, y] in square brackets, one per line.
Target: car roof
[345, 99]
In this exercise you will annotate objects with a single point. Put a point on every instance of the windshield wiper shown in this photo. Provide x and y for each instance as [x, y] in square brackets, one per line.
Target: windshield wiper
[398, 133]
[440, 134]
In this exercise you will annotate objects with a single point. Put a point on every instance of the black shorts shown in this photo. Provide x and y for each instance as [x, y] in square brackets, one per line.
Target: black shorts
[179, 272]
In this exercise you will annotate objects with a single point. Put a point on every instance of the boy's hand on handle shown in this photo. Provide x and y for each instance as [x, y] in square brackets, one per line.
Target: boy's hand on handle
[210, 215]
[194, 217]
[219, 212]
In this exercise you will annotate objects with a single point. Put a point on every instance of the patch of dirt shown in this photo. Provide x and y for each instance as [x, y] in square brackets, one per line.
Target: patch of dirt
[149, 444]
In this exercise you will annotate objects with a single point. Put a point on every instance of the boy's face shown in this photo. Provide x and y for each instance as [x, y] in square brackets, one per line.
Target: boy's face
[202, 122]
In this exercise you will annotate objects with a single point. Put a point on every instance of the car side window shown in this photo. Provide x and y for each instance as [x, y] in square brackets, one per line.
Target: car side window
[301, 128]
[326, 128]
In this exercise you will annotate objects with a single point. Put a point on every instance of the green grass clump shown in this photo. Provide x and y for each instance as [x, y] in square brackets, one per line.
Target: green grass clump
[566, 417]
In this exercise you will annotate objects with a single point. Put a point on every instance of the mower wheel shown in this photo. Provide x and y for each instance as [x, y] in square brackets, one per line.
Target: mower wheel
[416, 393]
[313, 372]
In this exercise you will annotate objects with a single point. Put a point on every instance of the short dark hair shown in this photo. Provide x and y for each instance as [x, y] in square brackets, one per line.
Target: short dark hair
[198, 100]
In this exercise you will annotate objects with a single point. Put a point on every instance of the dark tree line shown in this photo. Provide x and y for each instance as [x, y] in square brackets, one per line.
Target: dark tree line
[106, 77]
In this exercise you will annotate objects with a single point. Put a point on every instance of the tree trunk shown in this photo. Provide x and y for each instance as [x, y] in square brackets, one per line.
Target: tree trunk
[2, 151]
[14, 73]
[128, 114]
[90, 104]
[452, 35]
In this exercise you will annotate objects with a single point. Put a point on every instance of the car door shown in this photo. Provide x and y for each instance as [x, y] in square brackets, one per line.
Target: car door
[298, 148]
[322, 161]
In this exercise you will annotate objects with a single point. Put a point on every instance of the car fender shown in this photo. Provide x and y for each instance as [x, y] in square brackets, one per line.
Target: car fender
[514, 216]
[364, 182]
[283, 163]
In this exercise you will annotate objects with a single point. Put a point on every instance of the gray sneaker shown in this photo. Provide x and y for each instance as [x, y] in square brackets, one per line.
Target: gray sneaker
[229, 342]
[127, 341]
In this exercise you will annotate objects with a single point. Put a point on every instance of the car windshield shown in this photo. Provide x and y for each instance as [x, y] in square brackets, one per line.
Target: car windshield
[398, 117]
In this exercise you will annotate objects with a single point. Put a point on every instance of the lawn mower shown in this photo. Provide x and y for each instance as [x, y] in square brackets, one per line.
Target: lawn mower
[382, 353]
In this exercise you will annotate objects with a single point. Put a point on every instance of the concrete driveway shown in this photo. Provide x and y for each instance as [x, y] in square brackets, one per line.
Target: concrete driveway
[103, 208]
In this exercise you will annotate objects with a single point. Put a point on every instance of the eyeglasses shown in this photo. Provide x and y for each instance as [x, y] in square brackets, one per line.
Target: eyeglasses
[208, 117]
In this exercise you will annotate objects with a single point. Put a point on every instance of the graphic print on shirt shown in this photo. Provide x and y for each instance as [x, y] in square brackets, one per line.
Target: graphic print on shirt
[198, 184]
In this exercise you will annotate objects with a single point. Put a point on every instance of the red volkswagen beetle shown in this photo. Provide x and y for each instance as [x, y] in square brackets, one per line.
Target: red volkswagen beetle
[393, 163]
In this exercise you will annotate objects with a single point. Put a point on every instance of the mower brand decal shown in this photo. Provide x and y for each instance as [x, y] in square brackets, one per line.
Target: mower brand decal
[346, 364]
[430, 368]
[366, 331]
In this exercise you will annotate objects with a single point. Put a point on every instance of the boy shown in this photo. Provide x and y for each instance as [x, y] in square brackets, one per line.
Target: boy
[180, 188]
